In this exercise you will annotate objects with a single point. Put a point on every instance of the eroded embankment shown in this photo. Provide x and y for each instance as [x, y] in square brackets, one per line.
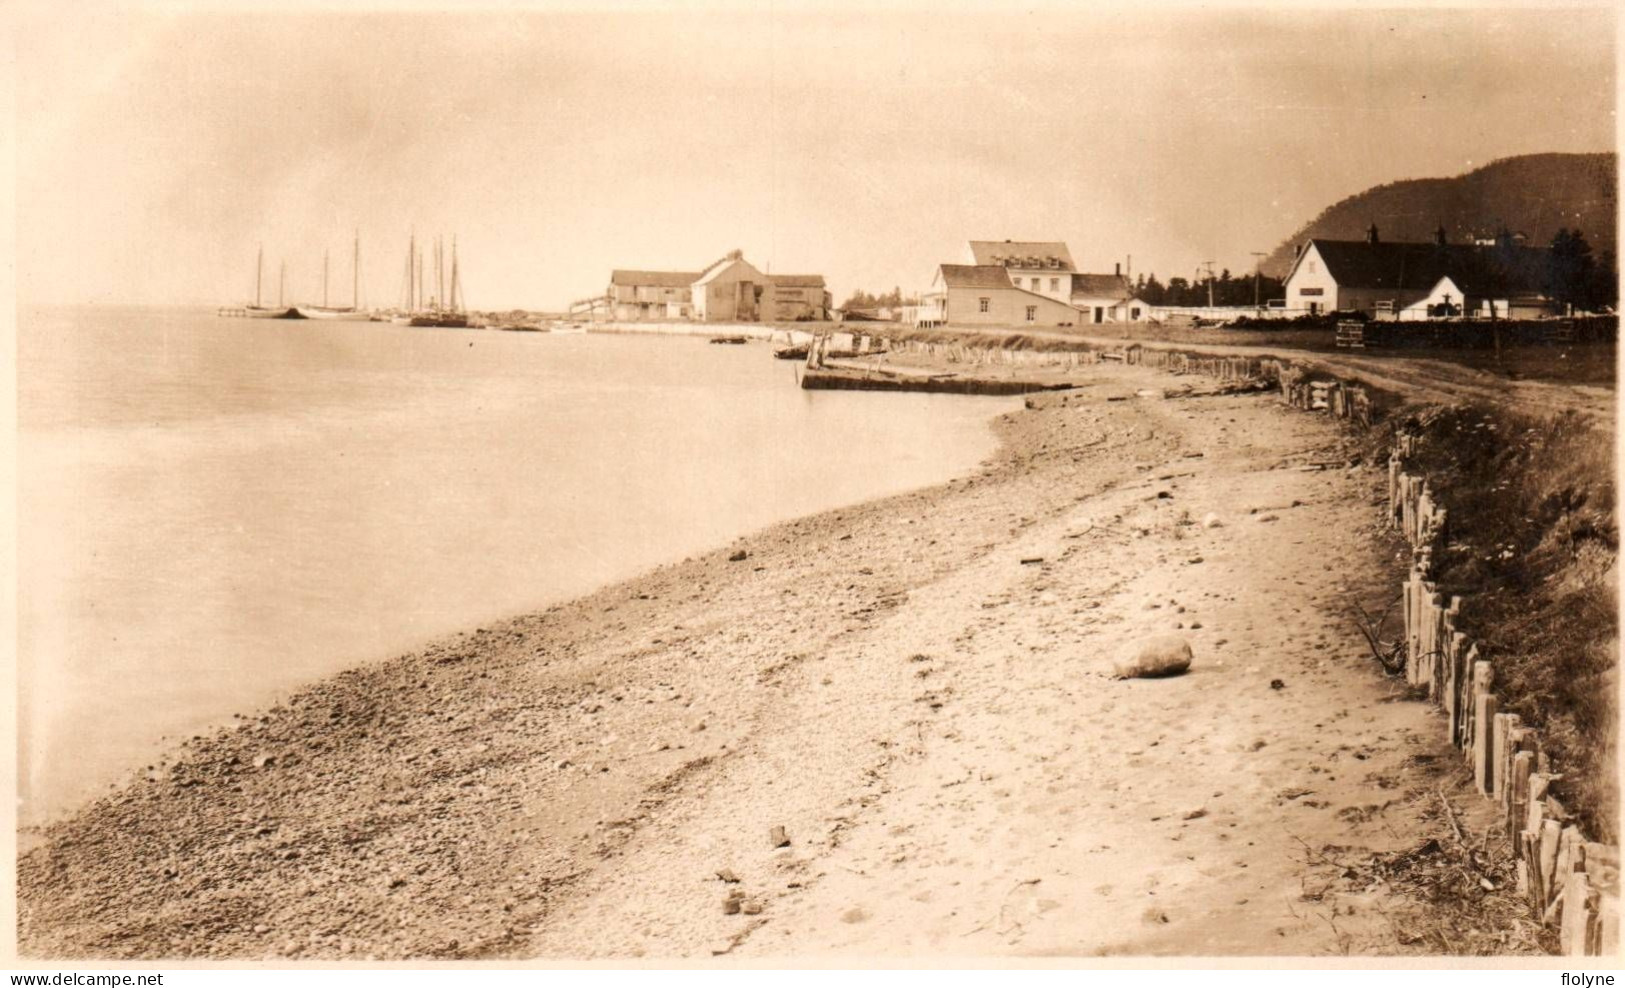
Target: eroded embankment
[1531, 548]
[1511, 627]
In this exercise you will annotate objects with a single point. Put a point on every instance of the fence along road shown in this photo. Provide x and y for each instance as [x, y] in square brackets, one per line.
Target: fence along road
[1413, 377]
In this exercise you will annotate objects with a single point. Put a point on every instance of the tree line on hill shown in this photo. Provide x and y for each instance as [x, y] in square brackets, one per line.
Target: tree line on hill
[1575, 276]
[861, 299]
[1532, 194]
[1228, 290]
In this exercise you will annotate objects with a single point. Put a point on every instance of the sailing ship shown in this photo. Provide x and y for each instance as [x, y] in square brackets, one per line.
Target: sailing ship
[258, 311]
[432, 312]
[353, 310]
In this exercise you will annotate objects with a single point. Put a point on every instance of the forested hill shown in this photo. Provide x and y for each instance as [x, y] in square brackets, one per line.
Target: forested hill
[1535, 194]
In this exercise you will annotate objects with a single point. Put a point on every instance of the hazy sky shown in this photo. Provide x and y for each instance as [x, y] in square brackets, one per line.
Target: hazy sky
[159, 145]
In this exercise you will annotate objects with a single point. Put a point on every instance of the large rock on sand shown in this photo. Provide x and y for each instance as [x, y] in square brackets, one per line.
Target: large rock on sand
[1149, 658]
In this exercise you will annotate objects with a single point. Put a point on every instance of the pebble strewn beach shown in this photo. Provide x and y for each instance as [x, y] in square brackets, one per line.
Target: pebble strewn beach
[917, 690]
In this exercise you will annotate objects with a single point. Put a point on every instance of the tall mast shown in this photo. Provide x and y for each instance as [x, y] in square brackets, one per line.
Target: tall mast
[454, 273]
[259, 267]
[420, 280]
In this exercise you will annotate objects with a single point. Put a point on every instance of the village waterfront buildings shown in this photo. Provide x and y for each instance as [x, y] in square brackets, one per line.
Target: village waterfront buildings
[1012, 283]
[1026, 283]
[730, 289]
[1495, 279]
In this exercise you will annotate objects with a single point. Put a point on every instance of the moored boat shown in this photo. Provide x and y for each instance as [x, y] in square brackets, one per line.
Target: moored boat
[353, 311]
[431, 313]
[258, 311]
[331, 312]
[441, 320]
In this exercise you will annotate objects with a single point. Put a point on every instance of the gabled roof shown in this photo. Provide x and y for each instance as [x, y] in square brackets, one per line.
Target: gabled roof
[797, 280]
[975, 276]
[983, 277]
[1025, 253]
[1113, 286]
[1481, 271]
[654, 279]
[710, 273]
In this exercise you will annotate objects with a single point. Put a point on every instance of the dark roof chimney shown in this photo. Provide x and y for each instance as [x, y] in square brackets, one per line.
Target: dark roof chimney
[1371, 234]
[1119, 267]
[1439, 236]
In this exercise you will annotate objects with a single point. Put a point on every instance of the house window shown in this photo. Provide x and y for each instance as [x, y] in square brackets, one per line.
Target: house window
[1036, 283]
[1032, 313]
[981, 304]
[1134, 313]
[1311, 267]
[1311, 291]
[1055, 284]
[1100, 314]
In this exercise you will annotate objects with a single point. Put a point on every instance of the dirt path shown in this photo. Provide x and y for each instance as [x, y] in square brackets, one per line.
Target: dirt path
[914, 689]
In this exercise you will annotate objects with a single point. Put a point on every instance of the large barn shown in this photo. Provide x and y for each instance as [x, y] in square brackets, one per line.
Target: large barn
[730, 289]
[1406, 280]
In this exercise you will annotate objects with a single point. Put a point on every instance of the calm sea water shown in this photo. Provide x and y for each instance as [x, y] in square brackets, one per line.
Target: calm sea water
[213, 511]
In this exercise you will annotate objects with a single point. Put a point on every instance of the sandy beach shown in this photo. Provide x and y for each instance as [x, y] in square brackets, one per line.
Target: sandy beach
[918, 690]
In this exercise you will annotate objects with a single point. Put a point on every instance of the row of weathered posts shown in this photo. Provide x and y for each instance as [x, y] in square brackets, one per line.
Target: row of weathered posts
[1571, 882]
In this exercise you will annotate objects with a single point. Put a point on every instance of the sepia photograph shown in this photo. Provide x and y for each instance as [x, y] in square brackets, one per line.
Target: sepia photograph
[716, 485]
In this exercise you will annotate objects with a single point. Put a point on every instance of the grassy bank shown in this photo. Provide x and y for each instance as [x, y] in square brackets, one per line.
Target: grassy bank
[1532, 548]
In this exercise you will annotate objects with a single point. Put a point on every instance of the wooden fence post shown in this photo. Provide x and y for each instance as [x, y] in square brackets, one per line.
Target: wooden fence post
[1504, 750]
[1484, 743]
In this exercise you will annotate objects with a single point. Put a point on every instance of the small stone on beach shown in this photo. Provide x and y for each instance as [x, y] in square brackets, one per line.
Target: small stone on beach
[1163, 655]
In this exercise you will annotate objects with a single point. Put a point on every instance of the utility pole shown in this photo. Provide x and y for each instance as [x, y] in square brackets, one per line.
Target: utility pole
[1209, 282]
[1258, 260]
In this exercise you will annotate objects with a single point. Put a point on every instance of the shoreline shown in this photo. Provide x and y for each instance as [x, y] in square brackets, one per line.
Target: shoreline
[484, 796]
[180, 645]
